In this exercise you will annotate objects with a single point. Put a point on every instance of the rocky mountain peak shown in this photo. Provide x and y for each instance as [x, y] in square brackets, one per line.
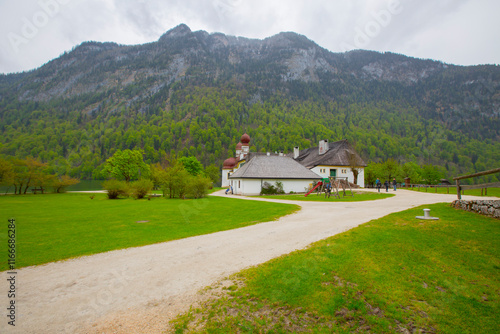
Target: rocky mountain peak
[182, 30]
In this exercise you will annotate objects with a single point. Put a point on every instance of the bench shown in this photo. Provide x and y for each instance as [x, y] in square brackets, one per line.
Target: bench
[34, 190]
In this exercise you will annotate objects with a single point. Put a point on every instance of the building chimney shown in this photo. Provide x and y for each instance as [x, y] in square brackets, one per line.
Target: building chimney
[323, 146]
[296, 152]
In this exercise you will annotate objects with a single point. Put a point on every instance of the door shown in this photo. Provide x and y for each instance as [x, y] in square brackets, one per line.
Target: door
[333, 172]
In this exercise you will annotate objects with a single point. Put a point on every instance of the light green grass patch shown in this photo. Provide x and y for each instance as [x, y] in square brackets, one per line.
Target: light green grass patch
[390, 275]
[60, 226]
[359, 196]
[490, 192]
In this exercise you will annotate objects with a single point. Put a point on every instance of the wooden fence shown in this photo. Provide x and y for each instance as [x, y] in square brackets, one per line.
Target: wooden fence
[475, 186]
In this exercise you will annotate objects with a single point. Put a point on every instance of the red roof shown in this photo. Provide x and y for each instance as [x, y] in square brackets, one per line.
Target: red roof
[245, 139]
[229, 163]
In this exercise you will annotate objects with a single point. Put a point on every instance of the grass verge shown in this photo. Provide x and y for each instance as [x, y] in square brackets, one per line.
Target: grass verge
[358, 197]
[396, 274]
[54, 227]
[490, 192]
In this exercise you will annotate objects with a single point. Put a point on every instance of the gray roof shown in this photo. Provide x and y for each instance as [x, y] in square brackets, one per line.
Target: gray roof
[338, 154]
[273, 167]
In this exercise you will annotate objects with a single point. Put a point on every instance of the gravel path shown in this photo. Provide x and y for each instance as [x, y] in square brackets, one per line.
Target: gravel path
[138, 290]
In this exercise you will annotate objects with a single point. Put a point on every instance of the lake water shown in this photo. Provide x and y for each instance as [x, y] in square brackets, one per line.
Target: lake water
[84, 185]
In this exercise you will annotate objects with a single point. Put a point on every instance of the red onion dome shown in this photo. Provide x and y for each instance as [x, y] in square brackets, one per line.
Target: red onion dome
[229, 163]
[245, 139]
[238, 146]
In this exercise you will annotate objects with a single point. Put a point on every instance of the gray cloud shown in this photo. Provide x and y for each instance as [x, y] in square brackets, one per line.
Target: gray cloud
[33, 32]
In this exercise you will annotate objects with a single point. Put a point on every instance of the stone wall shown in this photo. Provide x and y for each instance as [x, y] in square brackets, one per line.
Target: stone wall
[487, 208]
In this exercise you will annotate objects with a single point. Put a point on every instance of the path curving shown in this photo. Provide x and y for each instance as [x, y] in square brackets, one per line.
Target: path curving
[138, 290]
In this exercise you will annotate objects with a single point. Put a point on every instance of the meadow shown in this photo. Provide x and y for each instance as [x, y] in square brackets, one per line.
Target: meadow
[494, 192]
[54, 227]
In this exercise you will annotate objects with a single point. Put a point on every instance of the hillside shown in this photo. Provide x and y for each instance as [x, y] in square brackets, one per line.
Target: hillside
[195, 93]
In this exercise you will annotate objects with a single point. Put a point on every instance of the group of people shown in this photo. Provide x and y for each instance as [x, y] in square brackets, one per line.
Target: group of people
[386, 184]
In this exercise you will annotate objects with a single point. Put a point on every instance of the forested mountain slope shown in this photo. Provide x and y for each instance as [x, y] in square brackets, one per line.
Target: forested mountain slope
[195, 93]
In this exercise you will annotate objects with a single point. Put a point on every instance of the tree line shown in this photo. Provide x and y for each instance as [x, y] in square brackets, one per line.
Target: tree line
[206, 123]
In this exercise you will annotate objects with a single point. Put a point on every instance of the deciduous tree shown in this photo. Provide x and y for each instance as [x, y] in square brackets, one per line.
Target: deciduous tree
[126, 165]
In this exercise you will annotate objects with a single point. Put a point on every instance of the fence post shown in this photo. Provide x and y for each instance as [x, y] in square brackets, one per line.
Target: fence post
[458, 190]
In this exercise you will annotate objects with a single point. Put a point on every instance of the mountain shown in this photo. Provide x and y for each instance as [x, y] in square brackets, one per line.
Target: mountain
[195, 93]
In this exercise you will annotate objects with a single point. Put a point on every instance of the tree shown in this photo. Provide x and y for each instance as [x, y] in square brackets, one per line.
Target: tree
[126, 165]
[62, 182]
[412, 171]
[431, 174]
[192, 165]
[157, 175]
[213, 173]
[6, 172]
[372, 171]
[354, 164]
[390, 169]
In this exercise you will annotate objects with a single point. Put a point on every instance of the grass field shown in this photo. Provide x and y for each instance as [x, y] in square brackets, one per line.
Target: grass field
[494, 192]
[54, 227]
[358, 197]
[396, 274]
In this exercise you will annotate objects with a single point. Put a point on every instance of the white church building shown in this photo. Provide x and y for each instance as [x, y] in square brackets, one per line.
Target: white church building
[247, 171]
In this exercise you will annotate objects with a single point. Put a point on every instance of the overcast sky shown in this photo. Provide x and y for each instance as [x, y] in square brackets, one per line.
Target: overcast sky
[463, 32]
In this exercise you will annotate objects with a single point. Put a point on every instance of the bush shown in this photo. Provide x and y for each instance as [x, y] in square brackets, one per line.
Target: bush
[141, 188]
[269, 189]
[116, 188]
[198, 186]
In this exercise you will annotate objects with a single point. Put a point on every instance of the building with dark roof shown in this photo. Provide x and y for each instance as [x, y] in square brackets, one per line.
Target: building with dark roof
[337, 159]
[247, 171]
[249, 179]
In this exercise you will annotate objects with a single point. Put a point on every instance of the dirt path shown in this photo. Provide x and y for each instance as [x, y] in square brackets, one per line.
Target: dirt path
[138, 290]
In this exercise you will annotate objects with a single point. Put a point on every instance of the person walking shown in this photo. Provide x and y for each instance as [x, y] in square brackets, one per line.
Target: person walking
[386, 184]
[378, 184]
[394, 183]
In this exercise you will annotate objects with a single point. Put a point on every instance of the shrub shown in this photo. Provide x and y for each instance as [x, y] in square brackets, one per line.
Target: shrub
[141, 188]
[269, 189]
[116, 188]
[279, 187]
[198, 186]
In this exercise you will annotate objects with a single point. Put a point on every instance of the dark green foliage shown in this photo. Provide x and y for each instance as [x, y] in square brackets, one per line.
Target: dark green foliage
[270, 189]
[192, 165]
[116, 188]
[390, 169]
[126, 165]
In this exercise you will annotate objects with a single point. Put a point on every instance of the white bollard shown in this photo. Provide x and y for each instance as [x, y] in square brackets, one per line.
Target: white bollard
[427, 215]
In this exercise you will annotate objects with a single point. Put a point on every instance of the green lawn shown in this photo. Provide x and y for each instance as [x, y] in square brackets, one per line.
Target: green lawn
[60, 226]
[494, 192]
[358, 197]
[391, 275]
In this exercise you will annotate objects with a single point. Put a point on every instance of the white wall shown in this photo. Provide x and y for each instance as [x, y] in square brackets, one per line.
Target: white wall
[253, 186]
[225, 179]
[342, 171]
